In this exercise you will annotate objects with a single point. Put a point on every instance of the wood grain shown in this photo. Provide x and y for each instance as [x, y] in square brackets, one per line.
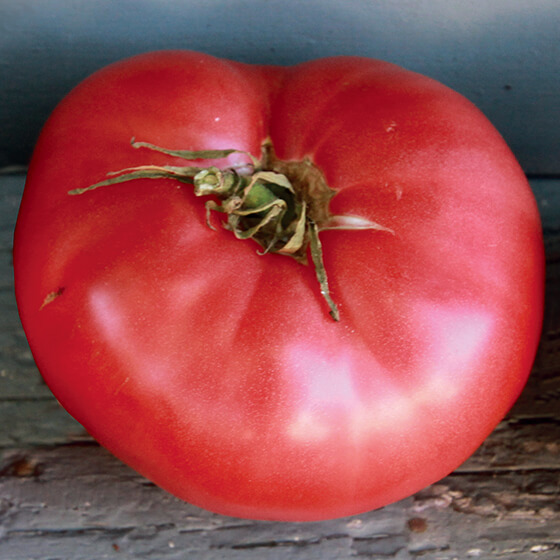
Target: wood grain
[64, 497]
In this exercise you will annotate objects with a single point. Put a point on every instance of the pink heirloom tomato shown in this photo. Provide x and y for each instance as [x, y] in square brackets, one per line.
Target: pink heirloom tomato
[388, 324]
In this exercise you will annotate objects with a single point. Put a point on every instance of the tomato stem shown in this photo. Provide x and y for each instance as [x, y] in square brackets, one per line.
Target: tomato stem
[282, 205]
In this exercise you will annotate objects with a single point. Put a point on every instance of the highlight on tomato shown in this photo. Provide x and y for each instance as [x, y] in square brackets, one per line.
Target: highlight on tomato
[284, 293]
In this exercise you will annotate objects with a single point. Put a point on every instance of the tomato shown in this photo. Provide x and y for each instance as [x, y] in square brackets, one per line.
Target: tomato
[217, 372]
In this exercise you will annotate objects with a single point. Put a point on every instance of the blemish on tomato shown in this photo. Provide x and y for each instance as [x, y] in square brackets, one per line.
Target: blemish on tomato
[51, 297]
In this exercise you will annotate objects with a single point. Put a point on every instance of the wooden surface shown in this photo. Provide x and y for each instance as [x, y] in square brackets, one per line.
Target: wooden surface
[501, 54]
[63, 497]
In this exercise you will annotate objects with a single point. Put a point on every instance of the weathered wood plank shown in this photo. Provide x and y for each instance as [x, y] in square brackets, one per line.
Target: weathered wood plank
[20, 381]
[37, 422]
[60, 500]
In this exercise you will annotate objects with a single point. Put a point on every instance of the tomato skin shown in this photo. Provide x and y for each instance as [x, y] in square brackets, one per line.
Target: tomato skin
[219, 374]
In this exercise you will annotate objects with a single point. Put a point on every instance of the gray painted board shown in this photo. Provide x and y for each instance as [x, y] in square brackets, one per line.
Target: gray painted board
[503, 54]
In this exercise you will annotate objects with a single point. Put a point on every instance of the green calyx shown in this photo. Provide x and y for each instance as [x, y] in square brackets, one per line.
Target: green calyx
[281, 205]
